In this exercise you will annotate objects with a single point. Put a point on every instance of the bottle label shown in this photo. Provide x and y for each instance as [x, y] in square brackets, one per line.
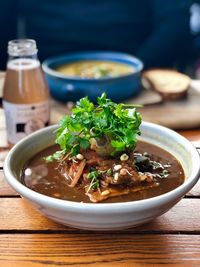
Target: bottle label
[23, 119]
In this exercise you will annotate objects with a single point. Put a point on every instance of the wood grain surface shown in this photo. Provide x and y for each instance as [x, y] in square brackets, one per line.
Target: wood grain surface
[18, 215]
[91, 249]
[5, 189]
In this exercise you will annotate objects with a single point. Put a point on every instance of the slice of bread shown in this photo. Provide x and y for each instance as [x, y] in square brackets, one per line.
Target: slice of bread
[170, 84]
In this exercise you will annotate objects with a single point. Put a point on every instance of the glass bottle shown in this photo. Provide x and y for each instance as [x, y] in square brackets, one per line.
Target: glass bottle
[25, 92]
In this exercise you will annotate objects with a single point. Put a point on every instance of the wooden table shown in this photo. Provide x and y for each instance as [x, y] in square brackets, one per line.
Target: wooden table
[28, 239]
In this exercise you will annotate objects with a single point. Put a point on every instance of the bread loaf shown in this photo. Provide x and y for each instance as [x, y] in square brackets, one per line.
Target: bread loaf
[170, 84]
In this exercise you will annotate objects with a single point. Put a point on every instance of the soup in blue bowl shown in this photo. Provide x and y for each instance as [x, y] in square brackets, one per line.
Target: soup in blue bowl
[73, 76]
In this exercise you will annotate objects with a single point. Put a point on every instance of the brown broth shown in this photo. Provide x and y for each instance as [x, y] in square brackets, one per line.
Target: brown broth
[45, 179]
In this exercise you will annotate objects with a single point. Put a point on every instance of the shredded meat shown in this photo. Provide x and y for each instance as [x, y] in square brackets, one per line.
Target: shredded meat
[76, 173]
[103, 177]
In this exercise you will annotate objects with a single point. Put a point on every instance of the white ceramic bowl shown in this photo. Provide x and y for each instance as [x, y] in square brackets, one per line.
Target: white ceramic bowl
[107, 216]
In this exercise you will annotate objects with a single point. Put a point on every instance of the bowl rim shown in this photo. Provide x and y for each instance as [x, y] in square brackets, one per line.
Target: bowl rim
[34, 196]
[52, 72]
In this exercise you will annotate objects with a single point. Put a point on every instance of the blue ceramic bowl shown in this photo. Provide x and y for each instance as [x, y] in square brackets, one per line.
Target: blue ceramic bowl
[65, 88]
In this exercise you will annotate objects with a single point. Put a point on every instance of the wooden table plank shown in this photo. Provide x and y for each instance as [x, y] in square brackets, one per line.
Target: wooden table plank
[192, 135]
[18, 215]
[3, 154]
[100, 250]
[5, 189]
[195, 192]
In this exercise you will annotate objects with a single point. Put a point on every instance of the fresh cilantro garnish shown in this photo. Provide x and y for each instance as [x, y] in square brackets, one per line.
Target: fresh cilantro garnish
[118, 122]
[93, 174]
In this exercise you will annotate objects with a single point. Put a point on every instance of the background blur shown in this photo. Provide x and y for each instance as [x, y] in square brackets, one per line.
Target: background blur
[161, 33]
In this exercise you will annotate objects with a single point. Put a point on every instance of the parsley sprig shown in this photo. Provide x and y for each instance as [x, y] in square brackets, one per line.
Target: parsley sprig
[119, 122]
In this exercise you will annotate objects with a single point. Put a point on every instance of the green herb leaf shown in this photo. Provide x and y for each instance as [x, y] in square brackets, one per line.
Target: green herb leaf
[93, 176]
[115, 121]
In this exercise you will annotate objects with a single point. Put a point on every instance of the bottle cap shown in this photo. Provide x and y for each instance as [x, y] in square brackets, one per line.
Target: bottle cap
[22, 47]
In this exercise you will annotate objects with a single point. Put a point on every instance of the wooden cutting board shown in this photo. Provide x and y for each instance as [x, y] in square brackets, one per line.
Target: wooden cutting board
[181, 114]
